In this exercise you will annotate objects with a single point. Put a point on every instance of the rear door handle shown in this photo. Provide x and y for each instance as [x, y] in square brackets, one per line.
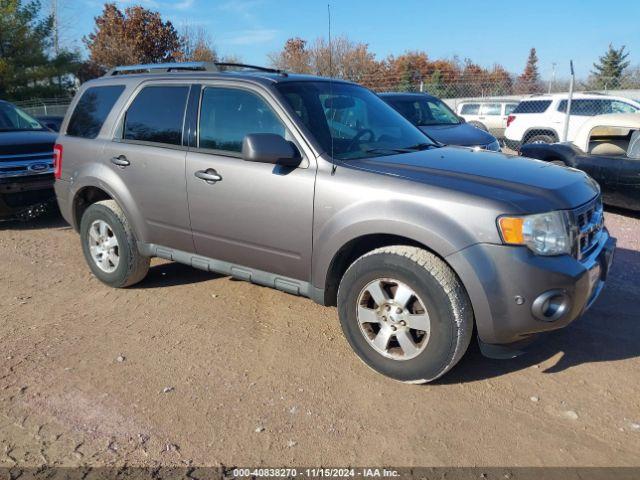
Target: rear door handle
[120, 161]
[209, 175]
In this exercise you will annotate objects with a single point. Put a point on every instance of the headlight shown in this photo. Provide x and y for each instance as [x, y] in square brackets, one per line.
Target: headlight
[544, 233]
[493, 146]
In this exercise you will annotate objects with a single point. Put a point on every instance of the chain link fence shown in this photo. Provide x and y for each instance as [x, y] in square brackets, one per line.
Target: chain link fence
[39, 107]
[514, 110]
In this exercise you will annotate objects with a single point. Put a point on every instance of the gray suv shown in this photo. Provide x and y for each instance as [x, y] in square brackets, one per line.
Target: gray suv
[318, 188]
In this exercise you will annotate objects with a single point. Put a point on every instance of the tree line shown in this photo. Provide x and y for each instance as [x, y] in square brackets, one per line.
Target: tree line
[31, 68]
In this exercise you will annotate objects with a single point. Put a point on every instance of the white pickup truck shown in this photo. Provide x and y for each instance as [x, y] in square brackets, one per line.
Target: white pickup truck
[540, 118]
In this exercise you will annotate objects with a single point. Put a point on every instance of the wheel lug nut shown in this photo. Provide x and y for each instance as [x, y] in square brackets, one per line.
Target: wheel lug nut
[388, 308]
[393, 328]
[403, 323]
[398, 310]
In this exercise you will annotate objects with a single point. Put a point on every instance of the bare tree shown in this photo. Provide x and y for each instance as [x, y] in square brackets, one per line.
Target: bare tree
[196, 44]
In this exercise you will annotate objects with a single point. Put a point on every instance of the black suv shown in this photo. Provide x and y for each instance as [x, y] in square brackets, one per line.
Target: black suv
[26, 162]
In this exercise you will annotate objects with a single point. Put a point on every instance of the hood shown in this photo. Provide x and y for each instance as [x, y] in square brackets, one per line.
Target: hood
[33, 141]
[517, 184]
[461, 134]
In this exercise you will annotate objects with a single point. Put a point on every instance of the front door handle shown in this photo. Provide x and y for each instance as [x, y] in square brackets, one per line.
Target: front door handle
[120, 161]
[209, 175]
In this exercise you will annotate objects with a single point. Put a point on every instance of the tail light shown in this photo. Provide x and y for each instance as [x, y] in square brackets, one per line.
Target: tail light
[510, 119]
[57, 161]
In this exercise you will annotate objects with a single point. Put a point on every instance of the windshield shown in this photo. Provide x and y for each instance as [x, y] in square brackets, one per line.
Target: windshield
[351, 121]
[425, 111]
[12, 118]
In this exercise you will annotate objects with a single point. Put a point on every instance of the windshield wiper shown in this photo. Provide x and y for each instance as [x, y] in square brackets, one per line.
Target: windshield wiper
[420, 146]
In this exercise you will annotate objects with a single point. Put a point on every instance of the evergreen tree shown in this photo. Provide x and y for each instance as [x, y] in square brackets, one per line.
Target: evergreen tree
[610, 68]
[529, 81]
[27, 68]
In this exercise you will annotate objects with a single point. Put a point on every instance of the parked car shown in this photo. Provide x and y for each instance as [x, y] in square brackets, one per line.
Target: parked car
[488, 115]
[541, 118]
[254, 174]
[52, 122]
[439, 122]
[607, 147]
[26, 162]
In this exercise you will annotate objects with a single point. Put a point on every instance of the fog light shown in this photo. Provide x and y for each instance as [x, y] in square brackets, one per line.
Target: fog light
[551, 306]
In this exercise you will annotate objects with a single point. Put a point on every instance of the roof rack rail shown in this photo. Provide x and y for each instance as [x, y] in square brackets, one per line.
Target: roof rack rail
[251, 67]
[178, 66]
[164, 67]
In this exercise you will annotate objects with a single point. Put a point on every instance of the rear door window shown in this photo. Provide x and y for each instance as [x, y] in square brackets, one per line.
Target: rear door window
[157, 115]
[490, 109]
[532, 106]
[470, 109]
[92, 110]
[586, 107]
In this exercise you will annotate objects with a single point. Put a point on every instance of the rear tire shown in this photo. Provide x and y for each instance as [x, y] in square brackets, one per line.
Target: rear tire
[110, 247]
[542, 138]
[429, 324]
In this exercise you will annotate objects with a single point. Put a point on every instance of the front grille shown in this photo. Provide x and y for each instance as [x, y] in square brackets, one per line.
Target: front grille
[23, 164]
[589, 222]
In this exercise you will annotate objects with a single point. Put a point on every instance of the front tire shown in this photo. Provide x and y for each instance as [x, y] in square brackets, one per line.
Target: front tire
[405, 313]
[109, 245]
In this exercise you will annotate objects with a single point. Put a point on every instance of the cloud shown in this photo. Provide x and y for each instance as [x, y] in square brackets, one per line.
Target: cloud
[183, 5]
[242, 8]
[248, 37]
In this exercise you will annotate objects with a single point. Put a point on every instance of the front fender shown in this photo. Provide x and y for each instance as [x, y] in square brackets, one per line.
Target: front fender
[434, 228]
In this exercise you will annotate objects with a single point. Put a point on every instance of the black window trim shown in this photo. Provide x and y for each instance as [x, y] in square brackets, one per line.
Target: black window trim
[255, 91]
[118, 136]
[64, 130]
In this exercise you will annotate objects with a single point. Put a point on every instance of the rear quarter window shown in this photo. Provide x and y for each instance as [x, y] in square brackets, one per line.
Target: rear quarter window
[157, 114]
[532, 106]
[92, 110]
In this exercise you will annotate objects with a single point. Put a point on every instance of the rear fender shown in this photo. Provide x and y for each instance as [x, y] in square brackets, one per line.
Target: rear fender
[98, 175]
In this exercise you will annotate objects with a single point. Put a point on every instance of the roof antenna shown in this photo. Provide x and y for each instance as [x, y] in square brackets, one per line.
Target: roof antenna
[333, 169]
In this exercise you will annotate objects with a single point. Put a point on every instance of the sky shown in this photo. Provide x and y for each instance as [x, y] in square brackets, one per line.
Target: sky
[487, 32]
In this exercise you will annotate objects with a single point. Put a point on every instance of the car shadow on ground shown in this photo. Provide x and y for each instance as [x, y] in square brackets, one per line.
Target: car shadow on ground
[49, 218]
[172, 274]
[608, 332]
[622, 211]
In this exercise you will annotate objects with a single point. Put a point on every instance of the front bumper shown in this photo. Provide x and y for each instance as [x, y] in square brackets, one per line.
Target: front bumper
[504, 282]
[20, 194]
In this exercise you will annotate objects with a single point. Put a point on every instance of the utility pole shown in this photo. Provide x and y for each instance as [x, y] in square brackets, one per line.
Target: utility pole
[56, 26]
[565, 130]
[553, 76]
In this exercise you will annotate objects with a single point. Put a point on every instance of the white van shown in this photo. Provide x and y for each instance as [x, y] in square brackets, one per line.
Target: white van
[490, 115]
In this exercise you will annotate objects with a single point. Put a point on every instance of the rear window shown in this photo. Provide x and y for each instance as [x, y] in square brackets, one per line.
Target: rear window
[470, 109]
[156, 115]
[532, 106]
[92, 110]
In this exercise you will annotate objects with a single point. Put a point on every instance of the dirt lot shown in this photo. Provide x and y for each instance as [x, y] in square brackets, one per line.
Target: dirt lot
[188, 367]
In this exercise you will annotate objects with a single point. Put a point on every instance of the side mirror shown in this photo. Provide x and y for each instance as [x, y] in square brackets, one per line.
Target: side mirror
[269, 148]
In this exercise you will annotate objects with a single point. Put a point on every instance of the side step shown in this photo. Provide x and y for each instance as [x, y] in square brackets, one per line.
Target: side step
[279, 282]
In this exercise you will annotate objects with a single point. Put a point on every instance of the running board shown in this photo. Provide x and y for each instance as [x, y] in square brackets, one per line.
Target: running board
[279, 282]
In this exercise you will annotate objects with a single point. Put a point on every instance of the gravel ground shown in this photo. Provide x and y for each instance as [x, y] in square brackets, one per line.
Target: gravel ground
[192, 368]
